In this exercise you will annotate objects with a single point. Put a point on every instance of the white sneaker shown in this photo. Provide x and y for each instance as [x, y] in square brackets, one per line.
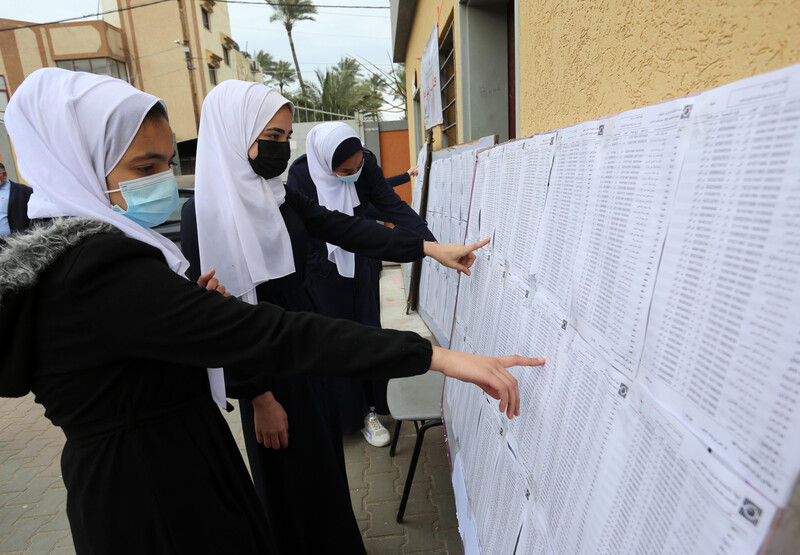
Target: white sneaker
[374, 432]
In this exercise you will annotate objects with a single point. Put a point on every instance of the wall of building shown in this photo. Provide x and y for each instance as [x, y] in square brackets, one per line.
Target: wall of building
[23, 51]
[395, 158]
[155, 35]
[424, 18]
[582, 60]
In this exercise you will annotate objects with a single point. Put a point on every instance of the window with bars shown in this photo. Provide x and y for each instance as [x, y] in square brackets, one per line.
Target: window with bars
[206, 19]
[226, 55]
[98, 66]
[212, 74]
[447, 69]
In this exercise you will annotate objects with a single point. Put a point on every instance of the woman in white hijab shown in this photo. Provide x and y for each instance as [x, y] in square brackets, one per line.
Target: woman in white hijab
[97, 322]
[255, 234]
[342, 175]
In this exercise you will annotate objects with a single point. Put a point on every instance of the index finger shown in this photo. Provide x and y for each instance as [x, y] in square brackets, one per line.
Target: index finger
[479, 244]
[516, 360]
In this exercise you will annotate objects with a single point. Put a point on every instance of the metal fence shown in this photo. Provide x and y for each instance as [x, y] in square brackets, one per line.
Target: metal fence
[304, 114]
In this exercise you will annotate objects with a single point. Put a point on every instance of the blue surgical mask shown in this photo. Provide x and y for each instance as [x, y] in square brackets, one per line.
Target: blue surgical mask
[351, 178]
[150, 199]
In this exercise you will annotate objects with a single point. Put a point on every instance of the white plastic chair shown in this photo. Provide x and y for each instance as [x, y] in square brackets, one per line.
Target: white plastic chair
[418, 398]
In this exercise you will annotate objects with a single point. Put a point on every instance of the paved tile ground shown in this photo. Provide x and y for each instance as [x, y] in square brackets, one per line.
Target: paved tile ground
[33, 499]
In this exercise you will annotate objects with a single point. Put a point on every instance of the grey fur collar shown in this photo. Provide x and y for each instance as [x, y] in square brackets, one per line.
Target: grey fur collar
[24, 256]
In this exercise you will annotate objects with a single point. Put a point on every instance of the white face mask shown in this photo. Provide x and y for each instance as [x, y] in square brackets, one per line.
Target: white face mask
[150, 199]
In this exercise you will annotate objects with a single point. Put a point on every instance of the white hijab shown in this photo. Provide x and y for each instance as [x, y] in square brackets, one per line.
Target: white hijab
[333, 193]
[69, 130]
[240, 230]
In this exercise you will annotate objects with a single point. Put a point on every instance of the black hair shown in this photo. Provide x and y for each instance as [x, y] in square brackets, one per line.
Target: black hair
[2, 167]
[156, 112]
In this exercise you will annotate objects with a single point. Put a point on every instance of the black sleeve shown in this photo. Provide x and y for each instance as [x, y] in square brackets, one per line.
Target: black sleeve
[19, 196]
[399, 179]
[159, 315]
[389, 203]
[189, 244]
[356, 234]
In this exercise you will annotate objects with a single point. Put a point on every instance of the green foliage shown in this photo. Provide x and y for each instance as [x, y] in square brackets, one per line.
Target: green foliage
[346, 88]
[289, 12]
[282, 74]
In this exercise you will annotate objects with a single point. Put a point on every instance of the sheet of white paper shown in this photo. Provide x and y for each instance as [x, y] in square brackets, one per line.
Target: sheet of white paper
[533, 539]
[632, 190]
[536, 163]
[480, 459]
[724, 331]
[543, 333]
[663, 492]
[506, 505]
[565, 208]
[466, 526]
[508, 194]
[580, 414]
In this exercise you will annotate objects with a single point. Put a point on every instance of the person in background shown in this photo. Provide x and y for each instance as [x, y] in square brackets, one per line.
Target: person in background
[402, 178]
[13, 204]
[97, 320]
[341, 175]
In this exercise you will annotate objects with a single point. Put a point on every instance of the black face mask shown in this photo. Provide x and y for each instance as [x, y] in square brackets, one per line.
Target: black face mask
[272, 158]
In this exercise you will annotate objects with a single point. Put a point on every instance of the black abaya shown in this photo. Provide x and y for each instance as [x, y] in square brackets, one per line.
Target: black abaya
[356, 298]
[303, 488]
[117, 344]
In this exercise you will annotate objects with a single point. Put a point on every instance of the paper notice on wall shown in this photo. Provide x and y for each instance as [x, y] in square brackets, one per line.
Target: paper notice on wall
[632, 190]
[466, 526]
[559, 231]
[431, 86]
[724, 330]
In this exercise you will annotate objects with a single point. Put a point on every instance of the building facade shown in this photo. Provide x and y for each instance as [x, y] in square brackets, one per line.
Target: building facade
[527, 66]
[177, 51]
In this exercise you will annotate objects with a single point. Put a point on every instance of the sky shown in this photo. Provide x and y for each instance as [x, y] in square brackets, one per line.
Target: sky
[364, 34]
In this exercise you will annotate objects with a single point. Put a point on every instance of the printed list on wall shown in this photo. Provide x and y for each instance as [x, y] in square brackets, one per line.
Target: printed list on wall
[653, 258]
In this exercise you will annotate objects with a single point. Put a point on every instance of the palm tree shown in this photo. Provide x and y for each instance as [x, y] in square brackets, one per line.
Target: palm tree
[290, 12]
[394, 83]
[369, 95]
[267, 63]
[282, 74]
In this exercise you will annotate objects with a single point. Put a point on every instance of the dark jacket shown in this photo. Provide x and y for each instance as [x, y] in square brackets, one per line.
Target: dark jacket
[371, 188]
[18, 206]
[114, 345]
[337, 296]
[399, 179]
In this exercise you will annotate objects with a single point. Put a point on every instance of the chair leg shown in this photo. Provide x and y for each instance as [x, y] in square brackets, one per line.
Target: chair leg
[412, 466]
[395, 437]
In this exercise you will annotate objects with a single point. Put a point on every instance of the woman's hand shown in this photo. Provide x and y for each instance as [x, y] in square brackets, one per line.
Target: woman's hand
[454, 255]
[413, 171]
[271, 422]
[488, 373]
[208, 281]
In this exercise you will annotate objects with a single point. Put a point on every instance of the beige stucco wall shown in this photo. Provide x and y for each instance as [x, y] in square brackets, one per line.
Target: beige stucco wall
[157, 64]
[74, 40]
[424, 19]
[28, 48]
[210, 39]
[115, 43]
[580, 60]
